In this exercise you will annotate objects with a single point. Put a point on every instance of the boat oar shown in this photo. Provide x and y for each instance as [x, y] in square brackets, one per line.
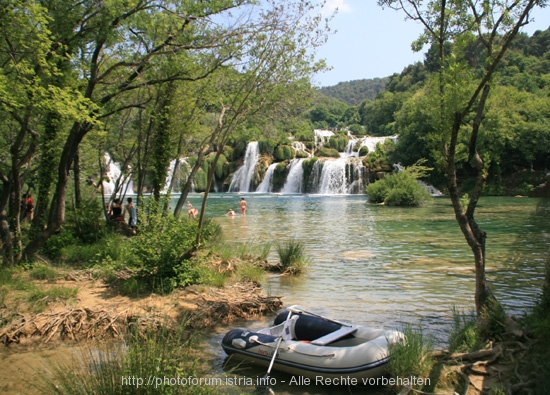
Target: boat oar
[266, 376]
[298, 309]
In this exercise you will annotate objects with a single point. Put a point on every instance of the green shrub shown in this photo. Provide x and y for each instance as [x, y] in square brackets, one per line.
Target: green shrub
[279, 175]
[159, 251]
[292, 256]
[328, 152]
[398, 189]
[284, 152]
[55, 244]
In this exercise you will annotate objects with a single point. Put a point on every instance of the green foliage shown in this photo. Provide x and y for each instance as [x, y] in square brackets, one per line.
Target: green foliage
[493, 318]
[292, 256]
[411, 356]
[88, 222]
[398, 189]
[56, 243]
[201, 180]
[339, 143]
[43, 272]
[464, 336]
[159, 251]
[354, 92]
[40, 298]
[279, 175]
[248, 272]
[327, 152]
[284, 152]
[103, 368]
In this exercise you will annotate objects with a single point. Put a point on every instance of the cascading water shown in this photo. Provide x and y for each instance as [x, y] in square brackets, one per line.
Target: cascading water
[266, 186]
[243, 176]
[295, 178]
[181, 173]
[114, 176]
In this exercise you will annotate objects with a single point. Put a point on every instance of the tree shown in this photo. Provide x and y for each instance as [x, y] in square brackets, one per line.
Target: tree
[87, 61]
[461, 97]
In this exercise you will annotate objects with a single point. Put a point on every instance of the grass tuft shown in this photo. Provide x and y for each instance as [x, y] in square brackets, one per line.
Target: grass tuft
[412, 356]
[292, 256]
[464, 336]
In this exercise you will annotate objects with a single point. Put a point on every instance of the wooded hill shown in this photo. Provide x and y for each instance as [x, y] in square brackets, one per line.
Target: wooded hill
[515, 130]
[354, 92]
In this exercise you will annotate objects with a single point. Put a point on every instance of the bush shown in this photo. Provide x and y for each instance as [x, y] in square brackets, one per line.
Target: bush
[398, 189]
[55, 244]
[160, 250]
[328, 152]
[292, 256]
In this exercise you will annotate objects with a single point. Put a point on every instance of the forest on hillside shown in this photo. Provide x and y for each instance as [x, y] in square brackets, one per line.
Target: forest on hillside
[516, 126]
[354, 92]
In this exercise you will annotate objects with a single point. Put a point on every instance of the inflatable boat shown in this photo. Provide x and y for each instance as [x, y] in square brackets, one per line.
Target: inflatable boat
[310, 345]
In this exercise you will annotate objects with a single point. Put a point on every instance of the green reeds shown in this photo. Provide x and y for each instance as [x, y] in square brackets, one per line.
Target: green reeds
[411, 357]
[292, 256]
[464, 336]
[149, 362]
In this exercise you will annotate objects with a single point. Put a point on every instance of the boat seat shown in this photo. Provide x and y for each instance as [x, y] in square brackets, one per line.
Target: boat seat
[336, 335]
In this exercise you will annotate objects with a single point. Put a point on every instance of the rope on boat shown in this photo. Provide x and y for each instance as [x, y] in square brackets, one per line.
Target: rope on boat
[288, 348]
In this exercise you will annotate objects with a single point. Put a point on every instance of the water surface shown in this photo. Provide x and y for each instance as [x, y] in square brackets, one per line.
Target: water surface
[385, 266]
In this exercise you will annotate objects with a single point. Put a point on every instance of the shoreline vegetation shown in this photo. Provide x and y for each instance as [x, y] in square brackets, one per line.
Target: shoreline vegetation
[95, 311]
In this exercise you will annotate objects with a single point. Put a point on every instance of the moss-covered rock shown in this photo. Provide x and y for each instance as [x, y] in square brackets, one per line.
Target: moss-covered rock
[327, 152]
[200, 180]
[279, 176]
[284, 152]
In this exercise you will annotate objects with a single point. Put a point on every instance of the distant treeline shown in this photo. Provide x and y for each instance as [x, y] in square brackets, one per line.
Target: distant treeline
[354, 92]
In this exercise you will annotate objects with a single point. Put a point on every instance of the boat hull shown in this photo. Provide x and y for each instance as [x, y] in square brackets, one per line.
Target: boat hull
[363, 355]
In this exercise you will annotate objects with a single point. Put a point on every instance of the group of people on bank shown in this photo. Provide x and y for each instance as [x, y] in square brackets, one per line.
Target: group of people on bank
[117, 212]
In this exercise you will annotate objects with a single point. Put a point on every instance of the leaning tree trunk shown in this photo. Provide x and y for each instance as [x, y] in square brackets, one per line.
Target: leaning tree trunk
[474, 235]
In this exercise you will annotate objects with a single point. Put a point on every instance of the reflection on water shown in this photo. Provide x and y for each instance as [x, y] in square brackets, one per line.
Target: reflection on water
[383, 266]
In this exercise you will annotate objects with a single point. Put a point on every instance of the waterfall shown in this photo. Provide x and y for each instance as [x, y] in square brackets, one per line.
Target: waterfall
[182, 173]
[301, 147]
[243, 176]
[168, 181]
[114, 175]
[295, 178]
[265, 186]
[333, 177]
[320, 135]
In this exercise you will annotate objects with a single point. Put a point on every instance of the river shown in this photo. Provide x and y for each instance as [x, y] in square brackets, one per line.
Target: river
[386, 266]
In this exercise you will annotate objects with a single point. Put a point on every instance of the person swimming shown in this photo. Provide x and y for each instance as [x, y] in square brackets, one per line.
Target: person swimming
[231, 213]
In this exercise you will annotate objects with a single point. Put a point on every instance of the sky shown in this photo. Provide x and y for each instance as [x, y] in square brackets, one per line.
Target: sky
[373, 42]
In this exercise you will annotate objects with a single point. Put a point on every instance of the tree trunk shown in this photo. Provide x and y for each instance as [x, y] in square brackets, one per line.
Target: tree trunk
[5, 234]
[57, 209]
[76, 176]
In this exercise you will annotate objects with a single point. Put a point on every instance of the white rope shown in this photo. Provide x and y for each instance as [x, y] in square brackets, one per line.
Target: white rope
[293, 349]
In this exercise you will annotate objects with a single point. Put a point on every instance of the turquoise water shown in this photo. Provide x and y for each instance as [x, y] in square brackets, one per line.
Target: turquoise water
[385, 266]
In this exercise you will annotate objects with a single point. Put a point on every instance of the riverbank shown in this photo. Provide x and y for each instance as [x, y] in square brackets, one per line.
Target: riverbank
[47, 318]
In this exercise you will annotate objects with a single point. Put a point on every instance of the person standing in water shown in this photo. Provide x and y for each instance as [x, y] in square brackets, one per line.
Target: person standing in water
[243, 205]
